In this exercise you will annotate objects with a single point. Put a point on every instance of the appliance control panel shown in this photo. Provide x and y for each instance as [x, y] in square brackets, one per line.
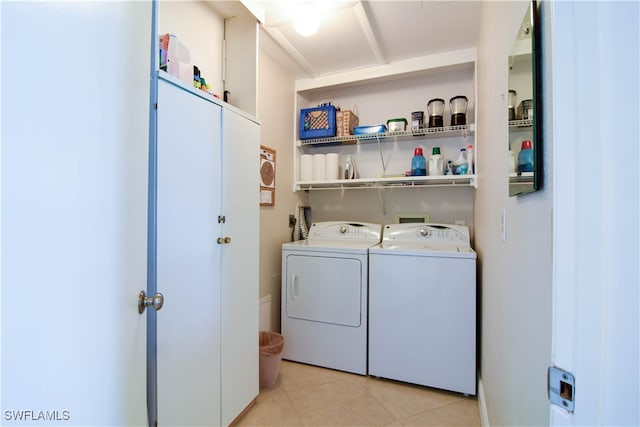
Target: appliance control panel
[421, 233]
[345, 230]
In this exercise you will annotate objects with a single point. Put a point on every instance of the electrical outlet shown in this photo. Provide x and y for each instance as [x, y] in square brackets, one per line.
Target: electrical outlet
[292, 221]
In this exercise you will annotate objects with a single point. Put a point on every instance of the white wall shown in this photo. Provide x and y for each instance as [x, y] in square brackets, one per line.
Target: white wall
[199, 28]
[514, 276]
[443, 204]
[275, 107]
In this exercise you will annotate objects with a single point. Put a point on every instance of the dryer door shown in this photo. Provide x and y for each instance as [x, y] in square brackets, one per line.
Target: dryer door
[325, 289]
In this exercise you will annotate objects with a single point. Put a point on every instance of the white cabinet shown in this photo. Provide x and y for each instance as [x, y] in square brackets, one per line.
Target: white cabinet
[389, 92]
[207, 257]
[240, 262]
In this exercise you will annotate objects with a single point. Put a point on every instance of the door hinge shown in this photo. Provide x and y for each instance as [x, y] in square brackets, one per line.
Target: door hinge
[221, 219]
[561, 388]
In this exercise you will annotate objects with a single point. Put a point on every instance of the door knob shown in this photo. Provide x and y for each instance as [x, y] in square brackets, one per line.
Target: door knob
[223, 240]
[155, 301]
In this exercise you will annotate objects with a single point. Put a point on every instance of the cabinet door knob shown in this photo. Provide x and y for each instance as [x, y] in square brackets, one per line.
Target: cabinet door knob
[223, 240]
[144, 301]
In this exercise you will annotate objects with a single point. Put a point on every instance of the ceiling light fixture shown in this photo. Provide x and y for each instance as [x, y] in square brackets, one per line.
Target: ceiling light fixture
[306, 18]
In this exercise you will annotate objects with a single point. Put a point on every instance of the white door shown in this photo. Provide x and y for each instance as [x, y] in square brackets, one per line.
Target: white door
[240, 260]
[75, 108]
[188, 258]
[595, 69]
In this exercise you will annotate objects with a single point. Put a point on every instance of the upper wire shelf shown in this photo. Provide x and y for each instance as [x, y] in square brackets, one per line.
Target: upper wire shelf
[439, 132]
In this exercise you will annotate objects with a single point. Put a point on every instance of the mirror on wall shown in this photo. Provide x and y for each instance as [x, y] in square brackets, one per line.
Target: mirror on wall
[524, 145]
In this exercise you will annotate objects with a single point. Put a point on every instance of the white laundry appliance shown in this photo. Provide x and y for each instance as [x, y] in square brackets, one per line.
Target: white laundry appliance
[422, 307]
[324, 295]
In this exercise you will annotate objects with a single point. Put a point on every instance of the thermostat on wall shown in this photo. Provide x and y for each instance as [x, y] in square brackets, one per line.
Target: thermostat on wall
[412, 218]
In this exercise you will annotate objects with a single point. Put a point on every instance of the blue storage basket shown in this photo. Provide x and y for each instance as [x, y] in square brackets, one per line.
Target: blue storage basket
[318, 122]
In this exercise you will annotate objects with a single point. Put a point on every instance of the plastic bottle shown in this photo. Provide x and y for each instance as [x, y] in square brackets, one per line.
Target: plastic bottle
[525, 157]
[418, 163]
[512, 161]
[436, 162]
[470, 159]
[460, 166]
[449, 170]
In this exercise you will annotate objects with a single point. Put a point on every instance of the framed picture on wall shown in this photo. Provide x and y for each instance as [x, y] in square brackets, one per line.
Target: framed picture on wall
[267, 176]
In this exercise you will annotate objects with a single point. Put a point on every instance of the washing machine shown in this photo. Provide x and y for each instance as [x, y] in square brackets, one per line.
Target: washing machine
[324, 295]
[422, 307]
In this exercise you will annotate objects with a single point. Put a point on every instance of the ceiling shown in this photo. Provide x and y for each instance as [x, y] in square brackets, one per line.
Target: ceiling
[361, 34]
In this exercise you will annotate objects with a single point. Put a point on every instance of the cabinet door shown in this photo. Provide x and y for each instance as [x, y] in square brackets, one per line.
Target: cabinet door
[241, 144]
[188, 258]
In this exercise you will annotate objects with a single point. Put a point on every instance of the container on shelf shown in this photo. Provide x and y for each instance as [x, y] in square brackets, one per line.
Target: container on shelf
[418, 163]
[512, 104]
[436, 163]
[435, 107]
[460, 166]
[525, 157]
[458, 106]
[525, 110]
[417, 120]
[346, 121]
[318, 122]
[397, 125]
[371, 129]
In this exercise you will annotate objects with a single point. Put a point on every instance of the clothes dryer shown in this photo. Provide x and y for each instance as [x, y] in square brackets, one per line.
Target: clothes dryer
[422, 306]
[324, 295]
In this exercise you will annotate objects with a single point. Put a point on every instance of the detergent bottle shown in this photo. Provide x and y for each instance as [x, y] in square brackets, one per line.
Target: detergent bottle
[436, 162]
[418, 163]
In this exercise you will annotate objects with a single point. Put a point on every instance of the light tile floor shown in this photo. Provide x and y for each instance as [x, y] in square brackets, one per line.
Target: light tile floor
[311, 396]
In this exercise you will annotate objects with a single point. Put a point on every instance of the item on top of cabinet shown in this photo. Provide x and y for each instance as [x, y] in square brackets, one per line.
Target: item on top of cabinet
[458, 106]
[174, 57]
[196, 77]
[436, 162]
[525, 110]
[418, 163]
[470, 159]
[350, 171]
[318, 122]
[417, 120]
[525, 157]
[346, 121]
[512, 104]
[397, 125]
[369, 130]
[435, 107]
[460, 166]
